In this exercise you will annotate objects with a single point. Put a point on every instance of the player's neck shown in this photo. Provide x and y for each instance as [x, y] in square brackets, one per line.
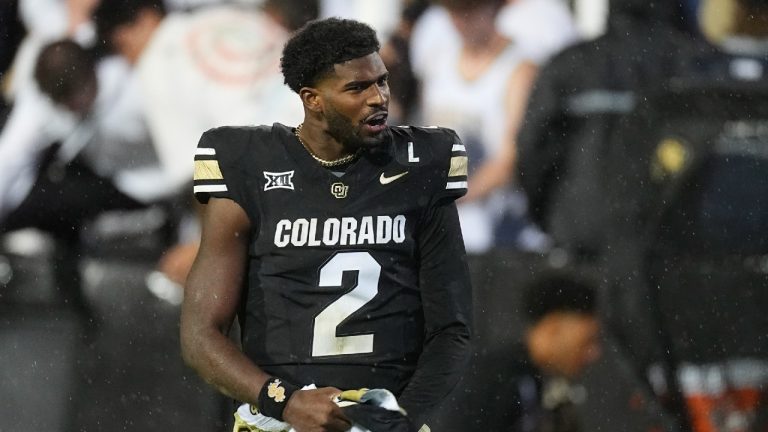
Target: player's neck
[322, 147]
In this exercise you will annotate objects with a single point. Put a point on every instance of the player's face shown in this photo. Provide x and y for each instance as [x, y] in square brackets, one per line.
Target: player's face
[357, 101]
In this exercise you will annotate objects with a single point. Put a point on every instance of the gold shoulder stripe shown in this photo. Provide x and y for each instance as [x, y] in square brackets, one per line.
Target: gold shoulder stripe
[207, 170]
[458, 166]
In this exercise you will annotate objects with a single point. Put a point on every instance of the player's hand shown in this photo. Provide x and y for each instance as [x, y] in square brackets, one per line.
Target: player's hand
[315, 411]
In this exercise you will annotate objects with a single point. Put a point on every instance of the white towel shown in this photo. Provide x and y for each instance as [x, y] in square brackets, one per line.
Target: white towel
[247, 415]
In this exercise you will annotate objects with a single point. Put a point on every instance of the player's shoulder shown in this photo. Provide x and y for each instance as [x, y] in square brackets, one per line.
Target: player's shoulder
[227, 135]
[432, 134]
[231, 142]
[433, 153]
[438, 142]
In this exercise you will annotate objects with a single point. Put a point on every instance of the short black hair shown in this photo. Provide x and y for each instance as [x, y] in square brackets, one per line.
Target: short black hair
[314, 49]
[558, 293]
[62, 68]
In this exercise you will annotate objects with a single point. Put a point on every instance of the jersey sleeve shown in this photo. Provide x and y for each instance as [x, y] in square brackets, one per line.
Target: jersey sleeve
[209, 180]
[219, 163]
[452, 162]
[441, 160]
[446, 296]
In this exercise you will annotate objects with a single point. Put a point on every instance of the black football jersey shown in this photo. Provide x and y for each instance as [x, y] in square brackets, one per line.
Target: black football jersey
[333, 294]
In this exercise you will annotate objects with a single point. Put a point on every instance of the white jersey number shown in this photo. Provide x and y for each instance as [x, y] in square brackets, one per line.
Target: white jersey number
[324, 341]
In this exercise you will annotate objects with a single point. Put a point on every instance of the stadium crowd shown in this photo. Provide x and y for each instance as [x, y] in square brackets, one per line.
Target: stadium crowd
[616, 198]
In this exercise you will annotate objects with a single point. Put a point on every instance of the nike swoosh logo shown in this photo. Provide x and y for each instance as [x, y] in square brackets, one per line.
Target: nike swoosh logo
[387, 180]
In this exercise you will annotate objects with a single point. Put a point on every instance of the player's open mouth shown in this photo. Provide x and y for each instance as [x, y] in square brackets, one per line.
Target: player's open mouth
[376, 123]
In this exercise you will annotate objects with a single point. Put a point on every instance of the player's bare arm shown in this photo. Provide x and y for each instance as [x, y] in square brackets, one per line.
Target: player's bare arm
[212, 293]
[210, 303]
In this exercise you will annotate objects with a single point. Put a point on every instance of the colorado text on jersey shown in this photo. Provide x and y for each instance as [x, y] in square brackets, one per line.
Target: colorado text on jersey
[345, 231]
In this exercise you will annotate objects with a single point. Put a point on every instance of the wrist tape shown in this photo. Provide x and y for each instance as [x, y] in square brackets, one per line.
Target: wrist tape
[274, 396]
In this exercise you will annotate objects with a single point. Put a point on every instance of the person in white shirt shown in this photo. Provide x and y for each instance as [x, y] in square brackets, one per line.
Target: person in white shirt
[199, 70]
[543, 27]
[59, 158]
[478, 84]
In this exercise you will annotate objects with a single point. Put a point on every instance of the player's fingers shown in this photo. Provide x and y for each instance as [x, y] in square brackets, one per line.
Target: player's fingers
[331, 392]
[338, 413]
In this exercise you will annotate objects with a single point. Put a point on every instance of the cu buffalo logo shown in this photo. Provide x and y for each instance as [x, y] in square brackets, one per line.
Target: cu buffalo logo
[339, 190]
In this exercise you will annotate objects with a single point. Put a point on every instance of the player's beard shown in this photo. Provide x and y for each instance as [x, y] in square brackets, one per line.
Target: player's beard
[349, 132]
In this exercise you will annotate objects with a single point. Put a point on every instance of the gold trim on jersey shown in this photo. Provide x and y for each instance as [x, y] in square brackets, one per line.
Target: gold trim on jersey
[207, 170]
[458, 166]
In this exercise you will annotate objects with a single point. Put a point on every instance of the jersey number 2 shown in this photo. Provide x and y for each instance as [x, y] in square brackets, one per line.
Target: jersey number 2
[324, 340]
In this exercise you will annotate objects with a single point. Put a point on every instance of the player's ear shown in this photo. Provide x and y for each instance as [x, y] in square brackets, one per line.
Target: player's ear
[311, 99]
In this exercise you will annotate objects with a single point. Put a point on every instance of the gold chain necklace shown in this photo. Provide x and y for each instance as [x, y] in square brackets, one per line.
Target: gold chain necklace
[324, 162]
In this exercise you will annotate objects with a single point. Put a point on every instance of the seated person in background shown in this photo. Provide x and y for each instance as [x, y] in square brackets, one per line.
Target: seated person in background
[560, 341]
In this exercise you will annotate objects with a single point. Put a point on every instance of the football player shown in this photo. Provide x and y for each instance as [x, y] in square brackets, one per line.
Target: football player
[337, 245]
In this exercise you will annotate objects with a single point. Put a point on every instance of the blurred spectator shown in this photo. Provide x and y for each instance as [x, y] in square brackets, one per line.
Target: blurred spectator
[52, 153]
[35, 122]
[655, 165]
[85, 107]
[202, 69]
[560, 340]
[544, 27]
[582, 96]
[90, 109]
[541, 27]
[11, 35]
[396, 56]
[578, 99]
[478, 85]
[702, 220]
[46, 21]
[382, 16]
[291, 14]
[189, 5]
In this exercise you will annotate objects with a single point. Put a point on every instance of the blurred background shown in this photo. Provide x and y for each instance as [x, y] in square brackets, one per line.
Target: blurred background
[621, 143]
